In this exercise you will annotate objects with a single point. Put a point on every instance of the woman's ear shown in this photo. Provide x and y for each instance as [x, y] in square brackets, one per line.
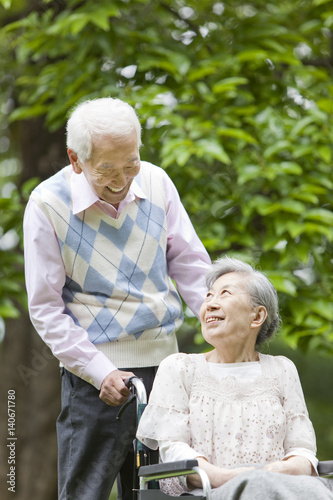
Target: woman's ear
[73, 158]
[259, 316]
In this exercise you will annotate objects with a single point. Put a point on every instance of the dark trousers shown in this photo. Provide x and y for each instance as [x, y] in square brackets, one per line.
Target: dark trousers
[93, 447]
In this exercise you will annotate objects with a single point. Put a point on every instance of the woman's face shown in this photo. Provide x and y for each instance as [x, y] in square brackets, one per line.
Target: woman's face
[227, 313]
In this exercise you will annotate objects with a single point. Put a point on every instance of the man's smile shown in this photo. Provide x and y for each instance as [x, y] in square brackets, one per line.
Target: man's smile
[114, 190]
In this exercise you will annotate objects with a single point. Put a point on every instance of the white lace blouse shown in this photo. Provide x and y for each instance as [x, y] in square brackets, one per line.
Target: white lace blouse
[231, 421]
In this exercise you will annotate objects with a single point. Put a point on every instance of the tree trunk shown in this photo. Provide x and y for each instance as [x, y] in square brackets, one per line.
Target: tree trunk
[29, 374]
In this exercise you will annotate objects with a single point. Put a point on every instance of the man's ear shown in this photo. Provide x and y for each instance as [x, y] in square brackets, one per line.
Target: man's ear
[259, 316]
[73, 158]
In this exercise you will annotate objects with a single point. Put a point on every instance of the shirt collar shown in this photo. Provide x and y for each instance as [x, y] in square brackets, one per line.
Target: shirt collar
[84, 196]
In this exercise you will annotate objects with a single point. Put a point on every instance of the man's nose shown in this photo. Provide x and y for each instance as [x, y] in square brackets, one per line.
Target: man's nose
[118, 179]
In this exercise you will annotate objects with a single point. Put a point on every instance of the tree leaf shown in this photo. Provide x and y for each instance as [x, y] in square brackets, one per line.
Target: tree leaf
[237, 134]
[276, 148]
[207, 147]
[321, 215]
[252, 55]
[229, 84]
[325, 153]
[282, 284]
[6, 3]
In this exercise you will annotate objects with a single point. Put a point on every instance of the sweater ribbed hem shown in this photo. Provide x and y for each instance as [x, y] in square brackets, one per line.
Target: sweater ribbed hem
[139, 353]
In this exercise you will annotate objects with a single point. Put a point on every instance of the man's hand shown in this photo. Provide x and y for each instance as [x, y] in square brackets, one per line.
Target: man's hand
[113, 390]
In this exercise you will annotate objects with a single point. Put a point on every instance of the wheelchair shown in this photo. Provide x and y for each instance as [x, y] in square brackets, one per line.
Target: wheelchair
[149, 472]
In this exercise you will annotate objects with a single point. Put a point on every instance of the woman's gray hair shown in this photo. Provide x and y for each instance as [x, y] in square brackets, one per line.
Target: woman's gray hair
[102, 117]
[260, 289]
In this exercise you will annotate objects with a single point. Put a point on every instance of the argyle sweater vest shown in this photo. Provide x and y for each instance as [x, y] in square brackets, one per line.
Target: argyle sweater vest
[117, 285]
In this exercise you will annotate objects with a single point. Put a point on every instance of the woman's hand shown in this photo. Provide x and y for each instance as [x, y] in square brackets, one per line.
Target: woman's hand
[293, 465]
[217, 475]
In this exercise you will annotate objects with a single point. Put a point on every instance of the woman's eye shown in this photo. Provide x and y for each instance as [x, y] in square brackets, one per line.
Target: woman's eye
[224, 292]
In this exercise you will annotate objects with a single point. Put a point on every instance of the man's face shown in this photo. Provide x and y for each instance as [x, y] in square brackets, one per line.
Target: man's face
[111, 168]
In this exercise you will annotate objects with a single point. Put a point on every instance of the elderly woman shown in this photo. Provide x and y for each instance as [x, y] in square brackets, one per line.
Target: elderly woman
[233, 409]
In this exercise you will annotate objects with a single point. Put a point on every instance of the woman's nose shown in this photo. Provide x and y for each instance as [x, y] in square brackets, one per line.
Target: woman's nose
[212, 304]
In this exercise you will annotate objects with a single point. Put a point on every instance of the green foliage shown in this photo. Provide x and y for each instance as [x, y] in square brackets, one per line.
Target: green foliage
[11, 260]
[236, 103]
[12, 203]
[314, 372]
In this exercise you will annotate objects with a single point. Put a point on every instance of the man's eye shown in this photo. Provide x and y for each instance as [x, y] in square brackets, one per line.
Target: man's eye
[132, 167]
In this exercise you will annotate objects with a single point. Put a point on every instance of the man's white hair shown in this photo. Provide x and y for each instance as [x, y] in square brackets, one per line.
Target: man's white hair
[104, 117]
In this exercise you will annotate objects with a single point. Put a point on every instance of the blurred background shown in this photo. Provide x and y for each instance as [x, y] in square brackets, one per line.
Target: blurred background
[235, 100]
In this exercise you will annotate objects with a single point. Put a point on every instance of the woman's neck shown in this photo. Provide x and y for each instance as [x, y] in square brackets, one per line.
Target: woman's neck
[224, 356]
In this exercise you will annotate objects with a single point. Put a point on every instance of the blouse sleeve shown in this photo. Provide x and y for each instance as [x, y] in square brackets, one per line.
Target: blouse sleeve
[166, 417]
[300, 437]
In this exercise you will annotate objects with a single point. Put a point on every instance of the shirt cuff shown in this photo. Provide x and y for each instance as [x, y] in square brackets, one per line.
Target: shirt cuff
[172, 451]
[95, 372]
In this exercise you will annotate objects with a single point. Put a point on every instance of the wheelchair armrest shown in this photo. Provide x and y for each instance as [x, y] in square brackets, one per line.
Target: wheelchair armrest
[168, 469]
[173, 469]
[325, 468]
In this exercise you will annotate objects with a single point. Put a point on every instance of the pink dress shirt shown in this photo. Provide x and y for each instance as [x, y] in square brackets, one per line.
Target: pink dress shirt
[187, 260]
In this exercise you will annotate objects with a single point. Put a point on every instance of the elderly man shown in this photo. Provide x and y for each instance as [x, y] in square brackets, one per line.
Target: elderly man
[105, 238]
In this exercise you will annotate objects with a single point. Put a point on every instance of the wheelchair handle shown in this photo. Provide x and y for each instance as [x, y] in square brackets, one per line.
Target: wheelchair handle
[139, 387]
